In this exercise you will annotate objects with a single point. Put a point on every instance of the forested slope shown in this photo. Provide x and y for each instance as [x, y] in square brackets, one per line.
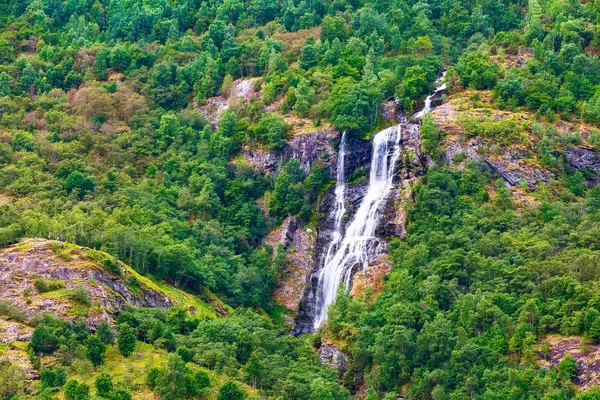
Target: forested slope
[165, 134]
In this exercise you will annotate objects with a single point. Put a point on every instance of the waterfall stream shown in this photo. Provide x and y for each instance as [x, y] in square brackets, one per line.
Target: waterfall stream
[353, 249]
[440, 86]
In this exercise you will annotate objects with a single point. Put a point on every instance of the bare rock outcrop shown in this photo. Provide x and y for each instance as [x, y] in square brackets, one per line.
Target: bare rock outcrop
[587, 357]
[331, 355]
[583, 157]
[242, 90]
[299, 243]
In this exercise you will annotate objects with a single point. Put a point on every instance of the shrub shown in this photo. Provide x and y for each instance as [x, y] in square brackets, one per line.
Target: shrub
[76, 391]
[567, 367]
[112, 265]
[80, 295]
[53, 378]
[11, 311]
[104, 385]
[231, 391]
[44, 286]
[126, 340]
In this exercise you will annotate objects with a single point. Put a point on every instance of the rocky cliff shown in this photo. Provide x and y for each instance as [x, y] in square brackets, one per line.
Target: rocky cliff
[41, 276]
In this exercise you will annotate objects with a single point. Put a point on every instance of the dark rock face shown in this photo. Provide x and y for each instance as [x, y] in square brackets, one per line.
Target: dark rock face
[312, 147]
[583, 157]
[267, 162]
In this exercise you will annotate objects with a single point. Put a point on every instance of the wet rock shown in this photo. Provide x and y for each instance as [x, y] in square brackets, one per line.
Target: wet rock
[389, 110]
[299, 243]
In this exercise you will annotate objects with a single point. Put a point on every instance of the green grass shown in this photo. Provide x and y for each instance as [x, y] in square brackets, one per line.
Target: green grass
[130, 372]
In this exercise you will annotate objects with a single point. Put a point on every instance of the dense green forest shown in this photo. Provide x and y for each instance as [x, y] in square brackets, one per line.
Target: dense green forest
[102, 145]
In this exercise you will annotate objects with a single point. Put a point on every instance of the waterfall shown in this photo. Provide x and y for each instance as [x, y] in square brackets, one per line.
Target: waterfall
[358, 245]
[440, 86]
[340, 206]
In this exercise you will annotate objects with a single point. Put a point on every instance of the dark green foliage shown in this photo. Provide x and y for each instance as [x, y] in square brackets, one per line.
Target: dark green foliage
[126, 340]
[231, 391]
[104, 385]
[43, 341]
[105, 333]
[53, 378]
[474, 287]
[95, 349]
[567, 367]
[78, 183]
[74, 390]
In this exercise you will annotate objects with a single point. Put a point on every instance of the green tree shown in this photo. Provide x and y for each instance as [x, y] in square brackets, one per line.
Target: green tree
[172, 382]
[126, 340]
[95, 350]
[76, 391]
[105, 333]
[567, 367]
[305, 96]
[104, 385]
[231, 391]
[120, 59]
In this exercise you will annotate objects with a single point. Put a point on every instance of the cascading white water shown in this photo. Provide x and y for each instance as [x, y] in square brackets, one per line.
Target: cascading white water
[427, 106]
[358, 245]
[340, 205]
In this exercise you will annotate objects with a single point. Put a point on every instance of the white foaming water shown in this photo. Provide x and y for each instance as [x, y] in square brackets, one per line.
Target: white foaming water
[358, 245]
[340, 207]
[427, 106]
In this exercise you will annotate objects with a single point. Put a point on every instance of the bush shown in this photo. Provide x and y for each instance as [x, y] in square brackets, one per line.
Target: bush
[43, 341]
[76, 391]
[112, 265]
[53, 378]
[104, 385]
[126, 340]
[231, 391]
[567, 367]
[44, 286]
[105, 333]
[11, 311]
[80, 295]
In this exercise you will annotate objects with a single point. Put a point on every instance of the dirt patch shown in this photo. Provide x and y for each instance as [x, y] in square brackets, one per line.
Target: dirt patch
[369, 281]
